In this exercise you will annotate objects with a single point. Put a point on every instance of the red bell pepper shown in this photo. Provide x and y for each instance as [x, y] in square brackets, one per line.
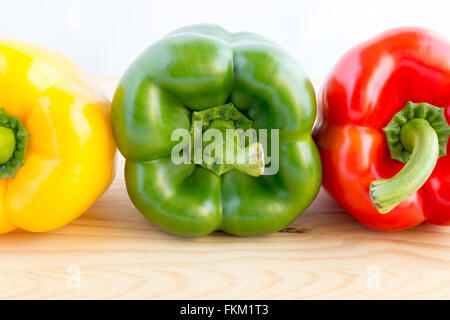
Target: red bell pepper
[399, 83]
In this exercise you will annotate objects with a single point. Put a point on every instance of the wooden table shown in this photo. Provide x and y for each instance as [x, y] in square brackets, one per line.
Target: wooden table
[114, 252]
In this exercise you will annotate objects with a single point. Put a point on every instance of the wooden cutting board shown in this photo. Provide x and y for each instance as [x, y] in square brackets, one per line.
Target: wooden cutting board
[112, 252]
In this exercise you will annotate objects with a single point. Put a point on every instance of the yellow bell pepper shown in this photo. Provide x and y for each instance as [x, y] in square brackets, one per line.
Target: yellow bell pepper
[57, 152]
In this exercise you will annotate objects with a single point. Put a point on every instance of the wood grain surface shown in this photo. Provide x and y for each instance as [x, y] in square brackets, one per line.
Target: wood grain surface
[112, 252]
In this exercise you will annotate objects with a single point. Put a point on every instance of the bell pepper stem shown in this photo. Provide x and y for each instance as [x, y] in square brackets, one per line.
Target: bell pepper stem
[418, 136]
[13, 144]
[253, 160]
[247, 159]
[7, 144]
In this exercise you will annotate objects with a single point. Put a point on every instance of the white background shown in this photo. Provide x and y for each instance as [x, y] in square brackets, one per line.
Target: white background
[105, 36]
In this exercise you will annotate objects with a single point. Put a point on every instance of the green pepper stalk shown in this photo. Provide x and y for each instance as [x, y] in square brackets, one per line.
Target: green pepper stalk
[228, 122]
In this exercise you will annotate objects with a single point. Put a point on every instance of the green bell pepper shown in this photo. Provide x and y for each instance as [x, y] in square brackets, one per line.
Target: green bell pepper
[224, 80]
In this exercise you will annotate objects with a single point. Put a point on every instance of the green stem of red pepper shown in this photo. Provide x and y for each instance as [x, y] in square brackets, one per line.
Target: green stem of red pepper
[418, 136]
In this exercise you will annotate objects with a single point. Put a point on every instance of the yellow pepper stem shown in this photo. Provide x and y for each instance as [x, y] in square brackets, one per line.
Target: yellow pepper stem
[13, 144]
[7, 144]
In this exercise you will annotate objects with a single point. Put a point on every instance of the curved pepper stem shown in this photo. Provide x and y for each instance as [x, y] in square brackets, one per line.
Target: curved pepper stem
[386, 194]
[417, 135]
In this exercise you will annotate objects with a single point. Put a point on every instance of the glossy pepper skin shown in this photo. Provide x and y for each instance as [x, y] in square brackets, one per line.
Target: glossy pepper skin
[201, 67]
[368, 86]
[69, 159]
